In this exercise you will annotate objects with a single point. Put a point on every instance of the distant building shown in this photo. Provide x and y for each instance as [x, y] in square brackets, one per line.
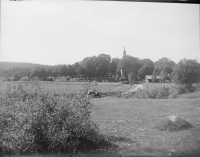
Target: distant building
[124, 52]
[123, 72]
[149, 78]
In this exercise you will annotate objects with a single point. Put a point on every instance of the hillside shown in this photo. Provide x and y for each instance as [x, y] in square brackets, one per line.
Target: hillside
[10, 65]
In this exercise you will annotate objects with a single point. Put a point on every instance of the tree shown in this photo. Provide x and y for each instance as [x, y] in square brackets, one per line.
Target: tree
[164, 75]
[155, 73]
[76, 67]
[113, 66]
[164, 64]
[88, 64]
[146, 69]
[102, 65]
[70, 71]
[129, 64]
[16, 76]
[187, 72]
[42, 73]
[131, 78]
[34, 71]
[142, 72]
[49, 72]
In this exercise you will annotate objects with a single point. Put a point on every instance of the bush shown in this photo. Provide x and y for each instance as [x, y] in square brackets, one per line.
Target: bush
[179, 89]
[125, 82]
[153, 93]
[33, 121]
[163, 92]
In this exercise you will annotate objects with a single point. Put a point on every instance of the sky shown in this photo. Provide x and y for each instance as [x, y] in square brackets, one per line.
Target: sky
[64, 32]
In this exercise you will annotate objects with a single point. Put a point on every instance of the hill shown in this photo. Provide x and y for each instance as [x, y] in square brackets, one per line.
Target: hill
[10, 65]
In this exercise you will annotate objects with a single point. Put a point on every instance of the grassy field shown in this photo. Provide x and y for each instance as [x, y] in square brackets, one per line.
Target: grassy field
[74, 86]
[132, 123]
[67, 86]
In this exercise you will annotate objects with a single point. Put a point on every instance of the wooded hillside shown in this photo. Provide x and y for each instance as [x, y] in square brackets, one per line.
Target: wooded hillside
[10, 65]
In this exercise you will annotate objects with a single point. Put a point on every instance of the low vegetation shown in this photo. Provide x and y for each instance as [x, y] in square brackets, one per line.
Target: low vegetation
[34, 121]
[159, 92]
[139, 121]
[153, 93]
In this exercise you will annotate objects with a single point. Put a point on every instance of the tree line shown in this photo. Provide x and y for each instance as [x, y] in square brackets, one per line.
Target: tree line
[102, 66]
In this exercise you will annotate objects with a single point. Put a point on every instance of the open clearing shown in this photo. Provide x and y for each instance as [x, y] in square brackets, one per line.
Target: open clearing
[132, 123]
[74, 86]
[135, 122]
[67, 86]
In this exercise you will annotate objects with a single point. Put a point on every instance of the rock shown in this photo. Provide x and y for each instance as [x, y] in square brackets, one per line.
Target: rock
[174, 123]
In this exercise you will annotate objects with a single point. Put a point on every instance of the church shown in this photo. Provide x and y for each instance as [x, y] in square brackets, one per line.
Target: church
[123, 72]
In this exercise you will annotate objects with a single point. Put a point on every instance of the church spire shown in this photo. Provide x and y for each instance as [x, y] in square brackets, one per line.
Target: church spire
[124, 52]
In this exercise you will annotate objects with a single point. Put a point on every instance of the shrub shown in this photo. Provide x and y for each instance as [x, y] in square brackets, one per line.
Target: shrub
[182, 89]
[33, 121]
[163, 92]
[125, 82]
[179, 89]
[153, 93]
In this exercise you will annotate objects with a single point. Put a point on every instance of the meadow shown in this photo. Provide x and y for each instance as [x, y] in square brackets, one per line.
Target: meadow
[132, 123]
[74, 86]
[54, 87]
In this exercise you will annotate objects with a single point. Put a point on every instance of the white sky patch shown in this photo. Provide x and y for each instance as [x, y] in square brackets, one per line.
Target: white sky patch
[65, 32]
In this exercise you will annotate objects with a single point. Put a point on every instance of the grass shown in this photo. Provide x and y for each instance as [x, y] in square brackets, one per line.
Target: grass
[159, 84]
[67, 86]
[132, 124]
[137, 121]
[74, 86]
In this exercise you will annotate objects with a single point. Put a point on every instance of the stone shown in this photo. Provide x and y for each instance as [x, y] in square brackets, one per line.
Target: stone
[174, 123]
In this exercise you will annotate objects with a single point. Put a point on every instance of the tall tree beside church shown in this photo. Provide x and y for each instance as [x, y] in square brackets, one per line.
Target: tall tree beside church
[113, 66]
[129, 64]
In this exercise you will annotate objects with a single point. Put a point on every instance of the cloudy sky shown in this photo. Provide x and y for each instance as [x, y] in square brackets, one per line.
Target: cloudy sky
[65, 32]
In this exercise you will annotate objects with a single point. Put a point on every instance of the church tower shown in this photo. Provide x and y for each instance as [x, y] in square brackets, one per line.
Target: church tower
[123, 72]
[124, 52]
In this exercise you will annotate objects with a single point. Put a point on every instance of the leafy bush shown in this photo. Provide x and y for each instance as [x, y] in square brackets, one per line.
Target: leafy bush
[125, 82]
[182, 89]
[153, 93]
[163, 92]
[32, 121]
[179, 89]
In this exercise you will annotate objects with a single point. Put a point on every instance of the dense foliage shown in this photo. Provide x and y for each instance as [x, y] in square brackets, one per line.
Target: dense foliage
[153, 93]
[103, 68]
[95, 67]
[157, 92]
[187, 72]
[33, 121]
[163, 68]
